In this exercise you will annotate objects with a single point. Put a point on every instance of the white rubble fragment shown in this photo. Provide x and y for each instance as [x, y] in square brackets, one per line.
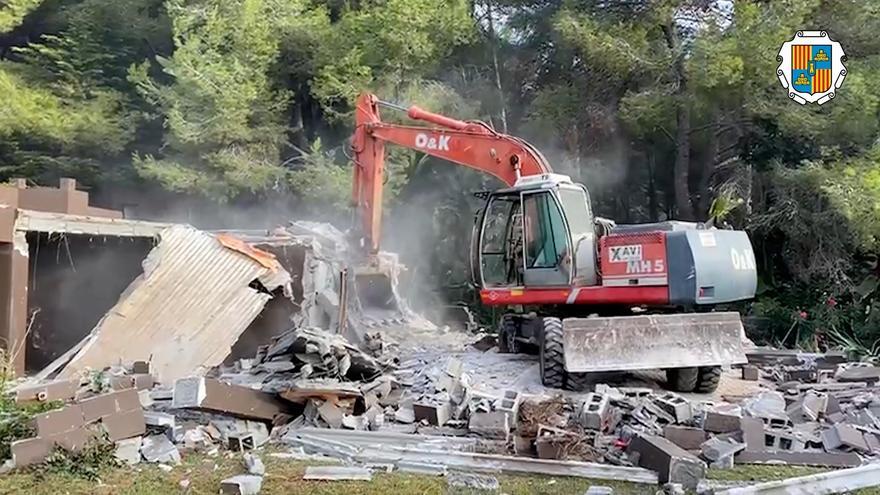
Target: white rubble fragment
[254, 464]
[157, 448]
[337, 473]
[243, 484]
[129, 450]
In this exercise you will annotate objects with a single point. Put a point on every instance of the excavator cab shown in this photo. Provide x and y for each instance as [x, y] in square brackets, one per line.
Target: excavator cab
[538, 233]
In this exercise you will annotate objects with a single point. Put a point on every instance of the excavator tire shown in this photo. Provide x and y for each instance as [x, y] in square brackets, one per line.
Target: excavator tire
[708, 378]
[551, 354]
[507, 329]
[577, 382]
[682, 379]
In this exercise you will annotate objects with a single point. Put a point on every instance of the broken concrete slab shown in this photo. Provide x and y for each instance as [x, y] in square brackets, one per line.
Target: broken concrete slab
[168, 318]
[716, 422]
[157, 448]
[868, 374]
[243, 484]
[844, 437]
[122, 425]
[30, 451]
[95, 408]
[808, 407]
[337, 473]
[47, 391]
[494, 424]
[59, 421]
[671, 462]
[818, 459]
[128, 450]
[254, 464]
[686, 437]
[752, 433]
[715, 449]
[212, 395]
[750, 373]
[838, 481]
[599, 490]
[437, 414]
[332, 414]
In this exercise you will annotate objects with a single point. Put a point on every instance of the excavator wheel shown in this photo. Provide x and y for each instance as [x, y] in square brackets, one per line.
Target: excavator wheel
[708, 378]
[577, 382]
[682, 379]
[507, 330]
[551, 354]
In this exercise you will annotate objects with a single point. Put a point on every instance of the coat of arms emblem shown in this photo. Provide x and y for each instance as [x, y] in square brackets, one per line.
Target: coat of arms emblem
[811, 67]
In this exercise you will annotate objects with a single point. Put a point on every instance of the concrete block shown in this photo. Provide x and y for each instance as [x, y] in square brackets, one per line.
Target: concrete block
[671, 462]
[124, 424]
[807, 408]
[159, 419]
[404, 415]
[805, 374]
[435, 414]
[30, 451]
[240, 440]
[59, 421]
[636, 392]
[140, 367]
[73, 440]
[750, 372]
[547, 447]
[868, 374]
[494, 424]
[752, 433]
[716, 422]
[47, 392]
[157, 448]
[523, 445]
[97, 407]
[676, 406]
[510, 404]
[254, 464]
[594, 412]
[331, 413]
[212, 395]
[781, 440]
[243, 484]
[844, 437]
[685, 437]
[715, 449]
[129, 450]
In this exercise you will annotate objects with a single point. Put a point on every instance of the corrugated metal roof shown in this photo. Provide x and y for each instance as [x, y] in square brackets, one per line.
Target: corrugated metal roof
[42, 221]
[184, 313]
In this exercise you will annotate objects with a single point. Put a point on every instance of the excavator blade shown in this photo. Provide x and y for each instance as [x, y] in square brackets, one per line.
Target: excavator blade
[652, 341]
[375, 290]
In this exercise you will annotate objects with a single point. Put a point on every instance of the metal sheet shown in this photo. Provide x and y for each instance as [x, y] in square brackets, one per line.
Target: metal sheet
[652, 341]
[183, 313]
[41, 221]
[840, 481]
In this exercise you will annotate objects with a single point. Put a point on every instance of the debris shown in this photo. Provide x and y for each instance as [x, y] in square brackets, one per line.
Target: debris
[337, 473]
[424, 468]
[331, 413]
[715, 449]
[472, 481]
[239, 441]
[436, 414]
[750, 372]
[841, 481]
[868, 374]
[157, 448]
[671, 462]
[129, 450]
[243, 484]
[688, 438]
[212, 395]
[841, 436]
[716, 422]
[799, 458]
[145, 323]
[594, 412]
[254, 464]
[47, 391]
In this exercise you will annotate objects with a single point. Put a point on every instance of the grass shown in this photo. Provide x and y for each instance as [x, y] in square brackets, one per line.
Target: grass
[284, 476]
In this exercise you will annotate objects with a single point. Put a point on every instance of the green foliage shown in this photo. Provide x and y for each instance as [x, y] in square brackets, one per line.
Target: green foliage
[88, 463]
[13, 12]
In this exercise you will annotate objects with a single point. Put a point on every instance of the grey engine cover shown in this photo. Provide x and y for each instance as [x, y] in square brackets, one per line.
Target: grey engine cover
[710, 266]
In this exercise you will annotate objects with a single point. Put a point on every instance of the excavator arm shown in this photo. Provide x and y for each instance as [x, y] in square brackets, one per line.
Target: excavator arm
[471, 144]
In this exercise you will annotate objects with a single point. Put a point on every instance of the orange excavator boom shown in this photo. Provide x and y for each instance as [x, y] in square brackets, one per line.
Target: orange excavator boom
[471, 144]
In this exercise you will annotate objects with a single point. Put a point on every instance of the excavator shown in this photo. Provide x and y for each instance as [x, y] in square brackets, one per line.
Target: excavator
[589, 295]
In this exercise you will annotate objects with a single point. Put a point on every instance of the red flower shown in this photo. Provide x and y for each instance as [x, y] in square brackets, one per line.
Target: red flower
[831, 302]
[803, 315]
